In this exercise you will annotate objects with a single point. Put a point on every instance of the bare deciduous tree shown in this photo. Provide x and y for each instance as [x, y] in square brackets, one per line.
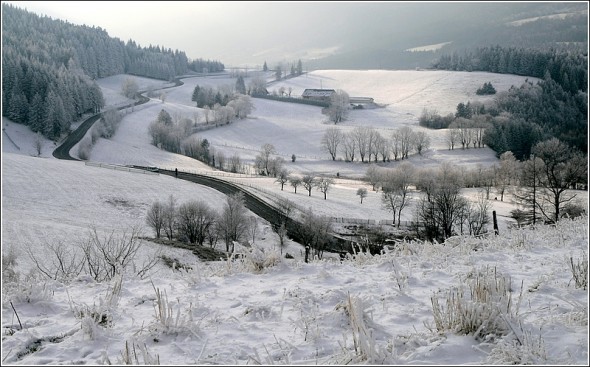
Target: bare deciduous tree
[155, 218]
[314, 232]
[194, 220]
[421, 141]
[308, 181]
[170, 217]
[332, 138]
[360, 135]
[263, 159]
[129, 88]
[282, 178]
[324, 184]
[362, 193]
[233, 221]
[295, 182]
[339, 106]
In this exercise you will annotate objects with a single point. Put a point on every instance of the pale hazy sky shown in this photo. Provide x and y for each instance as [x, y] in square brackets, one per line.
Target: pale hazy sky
[235, 33]
[248, 33]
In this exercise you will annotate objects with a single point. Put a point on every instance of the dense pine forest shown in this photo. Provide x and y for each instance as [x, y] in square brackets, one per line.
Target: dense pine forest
[49, 67]
[556, 106]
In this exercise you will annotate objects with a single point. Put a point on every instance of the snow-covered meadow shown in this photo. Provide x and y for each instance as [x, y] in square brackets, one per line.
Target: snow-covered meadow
[370, 309]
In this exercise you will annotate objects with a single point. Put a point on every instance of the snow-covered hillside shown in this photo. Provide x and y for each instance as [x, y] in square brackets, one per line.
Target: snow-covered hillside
[263, 308]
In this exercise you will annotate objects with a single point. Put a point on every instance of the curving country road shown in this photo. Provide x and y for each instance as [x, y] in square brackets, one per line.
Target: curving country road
[63, 151]
[252, 202]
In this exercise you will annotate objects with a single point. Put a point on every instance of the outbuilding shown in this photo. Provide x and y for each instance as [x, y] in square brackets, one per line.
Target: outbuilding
[318, 94]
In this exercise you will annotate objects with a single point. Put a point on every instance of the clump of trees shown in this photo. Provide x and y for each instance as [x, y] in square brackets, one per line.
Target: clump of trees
[486, 89]
[197, 223]
[443, 211]
[556, 106]
[176, 134]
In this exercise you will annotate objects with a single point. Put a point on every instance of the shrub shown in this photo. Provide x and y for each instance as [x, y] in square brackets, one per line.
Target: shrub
[84, 148]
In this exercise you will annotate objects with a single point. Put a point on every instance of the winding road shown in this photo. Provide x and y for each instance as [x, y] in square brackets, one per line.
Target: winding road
[252, 202]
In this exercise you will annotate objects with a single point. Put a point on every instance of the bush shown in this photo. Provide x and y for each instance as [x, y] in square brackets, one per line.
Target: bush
[84, 148]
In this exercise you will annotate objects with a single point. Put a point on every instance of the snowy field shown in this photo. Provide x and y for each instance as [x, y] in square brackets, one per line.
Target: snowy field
[371, 309]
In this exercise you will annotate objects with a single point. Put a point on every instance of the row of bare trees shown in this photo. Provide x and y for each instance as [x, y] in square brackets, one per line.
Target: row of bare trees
[541, 186]
[366, 143]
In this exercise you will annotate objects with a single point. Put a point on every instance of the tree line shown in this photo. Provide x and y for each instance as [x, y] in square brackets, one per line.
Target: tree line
[556, 106]
[365, 143]
[49, 68]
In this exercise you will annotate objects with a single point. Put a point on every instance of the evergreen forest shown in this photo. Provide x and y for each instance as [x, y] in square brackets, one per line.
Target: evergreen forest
[49, 68]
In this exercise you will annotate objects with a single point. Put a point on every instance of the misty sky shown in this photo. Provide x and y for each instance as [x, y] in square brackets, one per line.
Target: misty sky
[234, 32]
[250, 33]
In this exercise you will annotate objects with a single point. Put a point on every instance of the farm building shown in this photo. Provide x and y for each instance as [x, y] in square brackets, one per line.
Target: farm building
[318, 94]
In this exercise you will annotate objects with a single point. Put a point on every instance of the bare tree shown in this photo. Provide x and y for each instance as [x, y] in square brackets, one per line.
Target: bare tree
[275, 166]
[257, 86]
[382, 147]
[332, 138]
[61, 263]
[362, 193]
[453, 137]
[263, 159]
[349, 145]
[421, 141]
[233, 221]
[361, 136]
[479, 216]
[108, 256]
[506, 172]
[374, 176]
[395, 144]
[563, 168]
[295, 182]
[339, 106]
[323, 184]
[282, 178]
[156, 217]
[314, 233]
[406, 135]
[194, 220]
[396, 187]
[372, 142]
[235, 164]
[308, 181]
[129, 88]
[439, 211]
[170, 217]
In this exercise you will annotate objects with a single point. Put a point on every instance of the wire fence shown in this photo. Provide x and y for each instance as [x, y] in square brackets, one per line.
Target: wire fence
[120, 168]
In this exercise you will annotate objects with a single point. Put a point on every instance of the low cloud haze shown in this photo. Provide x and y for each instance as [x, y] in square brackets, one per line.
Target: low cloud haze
[250, 33]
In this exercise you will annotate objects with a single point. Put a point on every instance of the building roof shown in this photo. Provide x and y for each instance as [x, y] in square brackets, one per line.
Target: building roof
[318, 92]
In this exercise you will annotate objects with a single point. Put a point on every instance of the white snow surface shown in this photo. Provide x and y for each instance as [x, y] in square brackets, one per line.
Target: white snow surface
[229, 312]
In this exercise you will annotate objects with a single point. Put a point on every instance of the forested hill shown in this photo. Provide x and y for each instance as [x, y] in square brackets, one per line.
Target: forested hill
[48, 68]
[556, 106]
